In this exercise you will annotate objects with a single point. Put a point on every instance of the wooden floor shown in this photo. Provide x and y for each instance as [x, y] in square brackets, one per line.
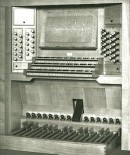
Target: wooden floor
[119, 152]
[8, 152]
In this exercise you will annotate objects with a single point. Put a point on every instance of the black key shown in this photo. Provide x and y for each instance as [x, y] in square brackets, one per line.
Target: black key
[45, 134]
[107, 131]
[101, 131]
[31, 129]
[50, 128]
[49, 131]
[88, 138]
[59, 132]
[80, 130]
[68, 135]
[18, 131]
[90, 131]
[65, 129]
[55, 128]
[64, 132]
[99, 138]
[72, 136]
[36, 132]
[83, 137]
[53, 133]
[70, 129]
[30, 132]
[78, 133]
[93, 138]
[106, 138]
[29, 124]
[112, 138]
[62, 135]
[39, 134]
[25, 131]
[44, 130]
[85, 130]
[77, 137]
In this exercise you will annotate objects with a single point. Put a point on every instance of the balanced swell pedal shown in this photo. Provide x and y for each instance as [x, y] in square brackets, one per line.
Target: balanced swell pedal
[78, 110]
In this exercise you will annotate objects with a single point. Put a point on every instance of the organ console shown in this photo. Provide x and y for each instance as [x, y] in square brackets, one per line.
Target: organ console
[66, 77]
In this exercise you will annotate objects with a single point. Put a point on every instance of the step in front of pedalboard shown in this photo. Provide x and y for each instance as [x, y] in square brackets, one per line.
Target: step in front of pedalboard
[55, 147]
[56, 139]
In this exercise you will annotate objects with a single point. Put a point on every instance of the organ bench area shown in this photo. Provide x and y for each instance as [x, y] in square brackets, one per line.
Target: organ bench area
[67, 77]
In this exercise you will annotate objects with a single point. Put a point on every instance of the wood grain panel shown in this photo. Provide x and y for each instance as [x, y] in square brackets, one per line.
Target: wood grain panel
[113, 98]
[2, 70]
[48, 108]
[60, 96]
[2, 102]
[56, 97]
[2, 128]
[23, 94]
[16, 106]
[113, 13]
[113, 146]
[38, 94]
[51, 146]
[8, 69]
[125, 75]
[95, 98]
[32, 93]
[65, 94]
[2, 43]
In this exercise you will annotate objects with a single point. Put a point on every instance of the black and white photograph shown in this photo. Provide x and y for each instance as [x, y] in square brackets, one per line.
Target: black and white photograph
[64, 77]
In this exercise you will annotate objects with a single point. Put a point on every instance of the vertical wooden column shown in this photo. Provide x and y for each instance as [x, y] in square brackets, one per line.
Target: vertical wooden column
[8, 35]
[126, 75]
[2, 70]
